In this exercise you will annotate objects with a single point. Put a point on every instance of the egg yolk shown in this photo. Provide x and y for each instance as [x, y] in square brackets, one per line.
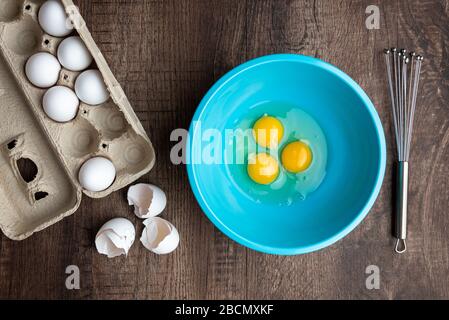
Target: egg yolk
[268, 131]
[296, 157]
[263, 168]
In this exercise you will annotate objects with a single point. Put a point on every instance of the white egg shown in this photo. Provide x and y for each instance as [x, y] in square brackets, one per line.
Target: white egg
[159, 236]
[147, 199]
[115, 237]
[97, 174]
[60, 104]
[53, 19]
[90, 88]
[73, 54]
[42, 69]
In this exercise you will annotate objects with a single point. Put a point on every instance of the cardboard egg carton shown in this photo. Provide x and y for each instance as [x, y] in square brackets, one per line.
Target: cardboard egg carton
[57, 150]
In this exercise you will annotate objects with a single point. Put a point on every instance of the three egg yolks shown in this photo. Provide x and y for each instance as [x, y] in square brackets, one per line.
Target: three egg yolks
[264, 168]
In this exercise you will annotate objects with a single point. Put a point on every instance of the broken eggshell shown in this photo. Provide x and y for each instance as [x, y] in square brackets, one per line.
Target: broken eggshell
[148, 200]
[159, 236]
[115, 237]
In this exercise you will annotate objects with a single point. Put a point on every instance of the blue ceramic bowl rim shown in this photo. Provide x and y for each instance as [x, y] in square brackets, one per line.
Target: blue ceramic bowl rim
[380, 137]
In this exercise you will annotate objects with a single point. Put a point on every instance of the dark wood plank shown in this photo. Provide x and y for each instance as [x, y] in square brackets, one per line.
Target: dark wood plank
[166, 54]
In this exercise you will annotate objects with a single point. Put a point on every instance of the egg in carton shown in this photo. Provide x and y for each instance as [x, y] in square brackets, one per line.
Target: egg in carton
[57, 150]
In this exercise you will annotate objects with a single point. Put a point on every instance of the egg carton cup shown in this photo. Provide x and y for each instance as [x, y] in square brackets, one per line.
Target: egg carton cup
[58, 150]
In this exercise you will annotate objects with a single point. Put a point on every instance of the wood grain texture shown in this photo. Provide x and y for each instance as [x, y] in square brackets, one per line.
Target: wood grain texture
[166, 54]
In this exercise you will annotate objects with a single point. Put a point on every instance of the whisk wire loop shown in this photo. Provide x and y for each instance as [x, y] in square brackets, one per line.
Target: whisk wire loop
[403, 72]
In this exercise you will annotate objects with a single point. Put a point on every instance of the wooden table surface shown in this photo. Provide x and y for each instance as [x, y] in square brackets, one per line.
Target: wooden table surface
[166, 54]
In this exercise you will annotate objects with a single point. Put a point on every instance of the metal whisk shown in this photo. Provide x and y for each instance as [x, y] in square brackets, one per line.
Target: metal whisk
[403, 71]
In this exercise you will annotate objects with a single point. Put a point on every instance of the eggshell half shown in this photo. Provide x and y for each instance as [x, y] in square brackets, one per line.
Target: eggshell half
[148, 200]
[115, 237]
[159, 236]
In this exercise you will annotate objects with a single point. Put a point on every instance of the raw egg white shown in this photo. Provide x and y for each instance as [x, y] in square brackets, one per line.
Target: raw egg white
[73, 54]
[60, 104]
[90, 88]
[97, 174]
[42, 69]
[53, 19]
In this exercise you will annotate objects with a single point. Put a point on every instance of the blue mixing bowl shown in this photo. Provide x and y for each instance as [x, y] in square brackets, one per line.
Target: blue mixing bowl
[355, 164]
